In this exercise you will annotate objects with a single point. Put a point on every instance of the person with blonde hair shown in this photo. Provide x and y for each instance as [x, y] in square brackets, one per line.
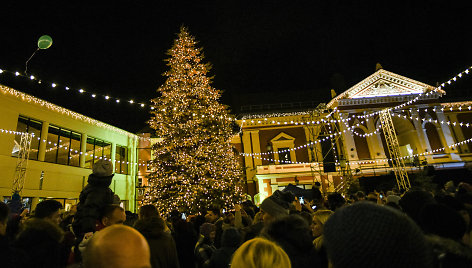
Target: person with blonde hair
[260, 253]
[319, 219]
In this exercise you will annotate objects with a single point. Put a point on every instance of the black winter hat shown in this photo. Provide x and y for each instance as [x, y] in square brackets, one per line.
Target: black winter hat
[413, 201]
[278, 204]
[369, 235]
[441, 220]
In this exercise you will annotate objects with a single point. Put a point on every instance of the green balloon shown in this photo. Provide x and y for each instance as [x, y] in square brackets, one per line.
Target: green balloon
[44, 42]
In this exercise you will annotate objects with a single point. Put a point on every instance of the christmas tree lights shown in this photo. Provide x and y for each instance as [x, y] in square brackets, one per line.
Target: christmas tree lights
[194, 165]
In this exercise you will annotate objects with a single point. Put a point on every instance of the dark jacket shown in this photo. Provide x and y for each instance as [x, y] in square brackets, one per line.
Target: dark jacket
[185, 238]
[449, 253]
[162, 245]
[203, 251]
[11, 257]
[41, 240]
[230, 241]
[93, 198]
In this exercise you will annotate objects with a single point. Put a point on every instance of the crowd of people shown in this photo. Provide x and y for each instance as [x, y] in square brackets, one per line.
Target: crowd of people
[417, 229]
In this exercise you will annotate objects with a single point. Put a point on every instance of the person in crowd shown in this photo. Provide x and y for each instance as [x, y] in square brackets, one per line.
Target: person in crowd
[93, 198]
[185, 238]
[205, 245]
[445, 229]
[260, 253]
[117, 246]
[293, 234]
[413, 201]
[161, 243]
[230, 241]
[370, 235]
[14, 223]
[275, 206]
[41, 237]
[319, 219]
[131, 218]
[109, 215]
[335, 201]
[393, 200]
[9, 257]
[213, 216]
[360, 196]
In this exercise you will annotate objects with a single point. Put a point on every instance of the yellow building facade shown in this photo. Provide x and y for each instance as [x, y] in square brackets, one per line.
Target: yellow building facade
[63, 149]
[344, 138]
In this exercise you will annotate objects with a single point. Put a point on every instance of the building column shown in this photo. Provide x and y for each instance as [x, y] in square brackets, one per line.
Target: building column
[308, 137]
[113, 155]
[420, 132]
[446, 137]
[43, 141]
[348, 140]
[375, 140]
[83, 150]
[256, 147]
[247, 149]
[458, 132]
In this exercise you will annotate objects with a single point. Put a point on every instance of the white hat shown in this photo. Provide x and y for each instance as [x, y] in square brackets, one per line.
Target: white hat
[102, 168]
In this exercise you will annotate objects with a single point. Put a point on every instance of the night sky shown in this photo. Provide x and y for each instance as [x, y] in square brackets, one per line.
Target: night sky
[262, 52]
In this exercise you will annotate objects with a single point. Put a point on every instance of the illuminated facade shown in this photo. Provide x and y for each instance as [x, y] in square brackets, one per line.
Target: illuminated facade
[63, 149]
[345, 136]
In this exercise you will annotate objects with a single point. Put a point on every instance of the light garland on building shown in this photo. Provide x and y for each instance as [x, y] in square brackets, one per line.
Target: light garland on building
[266, 121]
[450, 81]
[416, 155]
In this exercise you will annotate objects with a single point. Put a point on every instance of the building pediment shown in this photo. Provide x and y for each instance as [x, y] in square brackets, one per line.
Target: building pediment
[382, 86]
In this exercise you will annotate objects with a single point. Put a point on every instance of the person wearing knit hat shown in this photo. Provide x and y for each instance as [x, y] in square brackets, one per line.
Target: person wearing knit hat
[205, 245]
[95, 196]
[413, 201]
[277, 205]
[369, 235]
[393, 199]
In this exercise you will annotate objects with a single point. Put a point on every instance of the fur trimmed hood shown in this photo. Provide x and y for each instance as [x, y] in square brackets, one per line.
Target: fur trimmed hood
[41, 225]
[447, 246]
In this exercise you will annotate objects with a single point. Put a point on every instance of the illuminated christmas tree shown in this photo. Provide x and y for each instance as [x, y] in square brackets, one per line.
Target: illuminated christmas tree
[194, 165]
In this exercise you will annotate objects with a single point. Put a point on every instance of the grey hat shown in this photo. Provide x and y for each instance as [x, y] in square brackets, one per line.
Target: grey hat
[277, 204]
[393, 199]
[102, 168]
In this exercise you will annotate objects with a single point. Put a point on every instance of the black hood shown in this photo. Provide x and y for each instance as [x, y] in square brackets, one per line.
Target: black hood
[99, 181]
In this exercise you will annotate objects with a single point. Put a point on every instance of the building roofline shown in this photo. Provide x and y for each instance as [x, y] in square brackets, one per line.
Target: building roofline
[8, 91]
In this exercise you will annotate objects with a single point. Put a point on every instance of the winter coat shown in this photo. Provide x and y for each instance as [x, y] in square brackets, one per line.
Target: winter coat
[230, 241]
[41, 240]
[93, 198]
[11, 257]
[449, 253]
[203, 251]
[161, 243]
[185, 238]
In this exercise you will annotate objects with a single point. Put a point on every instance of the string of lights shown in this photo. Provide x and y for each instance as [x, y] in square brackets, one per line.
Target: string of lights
[362, 162]
[292, 122]
[352, 130]
[66, 148]
[416, 155]
[82, 91]
[440, 87]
